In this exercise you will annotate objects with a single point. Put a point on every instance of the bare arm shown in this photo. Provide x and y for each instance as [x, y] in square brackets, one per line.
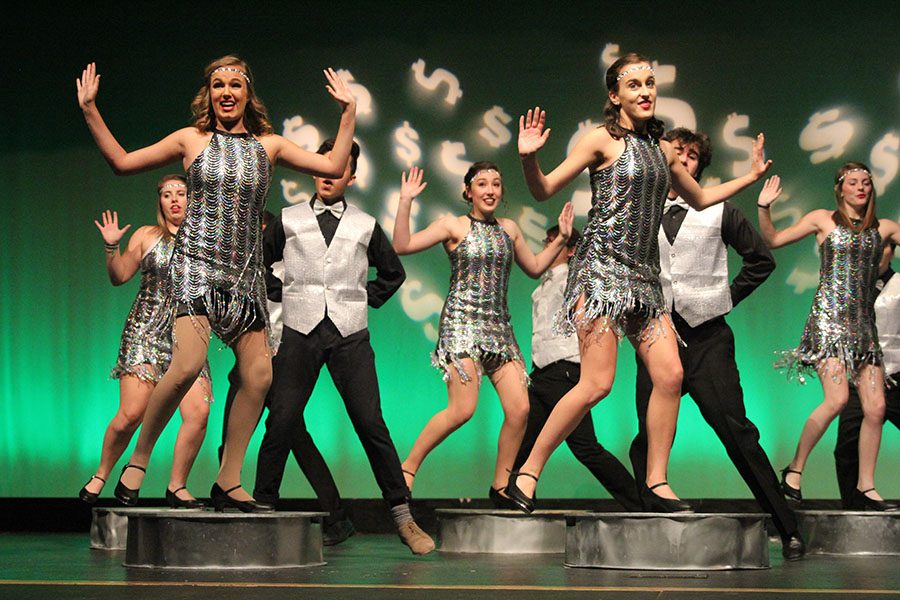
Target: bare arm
[891, 231]
[700, 198]
[121, 266]
[809, 224]
[163, 152]
[532, 137]
[535, 264]
[404, 241]
[293, 156]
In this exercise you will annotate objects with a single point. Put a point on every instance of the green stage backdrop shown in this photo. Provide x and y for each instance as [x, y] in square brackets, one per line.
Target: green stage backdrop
[438, 86]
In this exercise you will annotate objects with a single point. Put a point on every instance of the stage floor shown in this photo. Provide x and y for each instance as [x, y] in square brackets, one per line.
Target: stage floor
[374, 567]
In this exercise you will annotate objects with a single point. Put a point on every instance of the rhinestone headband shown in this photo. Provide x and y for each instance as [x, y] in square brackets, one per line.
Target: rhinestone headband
[483, 171]
[857, 170]
[171, 185]
[633, 69]
[231, 69]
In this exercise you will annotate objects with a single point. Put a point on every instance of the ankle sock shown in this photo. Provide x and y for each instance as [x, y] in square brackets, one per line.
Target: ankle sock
[401, 514]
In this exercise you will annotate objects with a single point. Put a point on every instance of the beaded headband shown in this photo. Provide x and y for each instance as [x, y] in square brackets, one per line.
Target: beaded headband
[170, 185]
[231, 69]
[856, 170]
[483, 171]
[633, 69]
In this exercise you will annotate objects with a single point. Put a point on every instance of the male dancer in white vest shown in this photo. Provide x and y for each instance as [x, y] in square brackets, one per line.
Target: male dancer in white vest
[887, 320]
[556, 366]
[694, 276]
[327, 246]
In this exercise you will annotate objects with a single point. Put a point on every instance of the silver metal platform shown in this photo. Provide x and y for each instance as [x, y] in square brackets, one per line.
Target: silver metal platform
[502, 531]
[109, 528]
[182, 539]
[667, 541]
[850, 532]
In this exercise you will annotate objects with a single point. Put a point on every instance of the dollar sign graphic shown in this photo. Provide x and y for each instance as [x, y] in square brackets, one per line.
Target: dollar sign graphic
[583, 127]
[885, 161]
[359, 91]
[733, 124]
[826, 135]
[292, 192]
[534, 225]
[406, 148]
[802, 280]
[452, 155]
[675, 112]
[304, 135]
[608, 56]
[420, 304]
[437, 77]
[494, 131]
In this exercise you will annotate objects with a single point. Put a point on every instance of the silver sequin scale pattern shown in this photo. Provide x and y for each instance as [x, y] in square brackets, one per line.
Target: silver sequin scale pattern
[218, 251]
[841, 323]
[616, 264]
[147, 356]
[475, 319]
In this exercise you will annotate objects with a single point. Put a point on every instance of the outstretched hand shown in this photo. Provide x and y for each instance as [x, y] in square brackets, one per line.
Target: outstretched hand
[110, 227]
[532, 135]
[412, 186]
[339, 90]
[88, 85]
[770, 191]
[566, 218]
[759, 164]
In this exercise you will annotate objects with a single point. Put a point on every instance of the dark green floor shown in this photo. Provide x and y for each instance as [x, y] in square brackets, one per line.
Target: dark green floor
[375, 567]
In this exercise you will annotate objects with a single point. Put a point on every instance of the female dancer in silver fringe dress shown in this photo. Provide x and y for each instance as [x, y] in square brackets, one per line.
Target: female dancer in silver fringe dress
[144, 356]
[475, 337]
[216, 272]
[840, 341]
[613, 290]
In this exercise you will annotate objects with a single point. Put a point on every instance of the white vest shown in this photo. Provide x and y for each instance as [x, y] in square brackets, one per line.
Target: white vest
[694, 270]
[887, 319]
[320, 278]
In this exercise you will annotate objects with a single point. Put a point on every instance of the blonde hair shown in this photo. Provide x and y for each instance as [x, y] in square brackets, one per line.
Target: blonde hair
[160, 216]
[840, 216]
[256, 118]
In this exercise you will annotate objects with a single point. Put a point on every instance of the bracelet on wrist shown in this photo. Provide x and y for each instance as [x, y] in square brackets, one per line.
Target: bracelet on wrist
[111, 247]
[764, 206]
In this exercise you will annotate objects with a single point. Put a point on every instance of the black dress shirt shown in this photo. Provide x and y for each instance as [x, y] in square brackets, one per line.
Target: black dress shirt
[738, 233]
[389, 273]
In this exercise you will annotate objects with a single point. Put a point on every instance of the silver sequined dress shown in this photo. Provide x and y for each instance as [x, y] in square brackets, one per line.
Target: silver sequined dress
[142, 354]
[841, 323]
[616, 264]
[475, 319]
[217, 268]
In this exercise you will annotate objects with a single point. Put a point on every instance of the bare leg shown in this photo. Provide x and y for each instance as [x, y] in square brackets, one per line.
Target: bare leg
[134, 393]
[509, 381]
[598, 370]
[462, 398]
[194, 411]
[871, 395]
[836, 392]
[188, 355]
[255, 368]
[660, 356]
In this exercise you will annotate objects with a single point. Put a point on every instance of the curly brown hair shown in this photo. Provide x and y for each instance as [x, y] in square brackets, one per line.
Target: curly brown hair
[256, 118]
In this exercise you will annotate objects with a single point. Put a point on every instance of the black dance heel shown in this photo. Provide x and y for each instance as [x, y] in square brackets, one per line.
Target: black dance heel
[500, 501]
[221, 500]
[656, 503]
[862, 502]
[517, 496]
[90, 497]
[174, 501]
[124, 494]
[791, 493]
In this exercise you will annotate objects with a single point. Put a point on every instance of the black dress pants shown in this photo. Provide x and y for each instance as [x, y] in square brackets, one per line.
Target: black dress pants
[548, 385]
[846, 449]
[711, 378]
[351, 362]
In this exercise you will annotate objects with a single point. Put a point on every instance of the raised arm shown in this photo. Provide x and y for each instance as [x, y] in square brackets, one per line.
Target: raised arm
[163, 152]
[532, 137]
[121, 266]
[809, 224]
[535, 264]
[324, 165]
[700, 198]
[405, 242]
